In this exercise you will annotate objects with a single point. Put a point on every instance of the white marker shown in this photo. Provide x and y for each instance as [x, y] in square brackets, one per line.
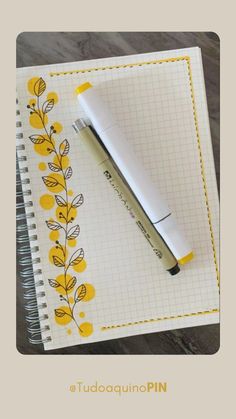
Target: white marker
[120, 150]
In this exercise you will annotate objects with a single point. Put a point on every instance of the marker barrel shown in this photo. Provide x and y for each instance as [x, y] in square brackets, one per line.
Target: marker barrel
[95, 148]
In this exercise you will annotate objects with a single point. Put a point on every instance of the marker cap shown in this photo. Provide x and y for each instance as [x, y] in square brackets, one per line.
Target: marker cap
[85, 86]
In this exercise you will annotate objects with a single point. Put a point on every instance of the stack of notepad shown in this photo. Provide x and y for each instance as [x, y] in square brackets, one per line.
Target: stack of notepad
[96, 277]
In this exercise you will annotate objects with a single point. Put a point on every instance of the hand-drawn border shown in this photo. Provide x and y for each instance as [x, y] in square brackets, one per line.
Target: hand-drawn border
[153, 62]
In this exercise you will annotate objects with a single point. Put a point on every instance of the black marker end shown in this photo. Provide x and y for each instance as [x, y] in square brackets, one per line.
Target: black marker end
[175, 270]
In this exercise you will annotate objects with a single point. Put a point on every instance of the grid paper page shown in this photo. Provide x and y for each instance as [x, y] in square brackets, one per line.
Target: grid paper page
[159, 101]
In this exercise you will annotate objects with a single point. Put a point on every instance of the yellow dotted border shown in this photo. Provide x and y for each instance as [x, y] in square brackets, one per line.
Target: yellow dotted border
[139, 64]
[158, 319]
[203, 170]
[113, 67]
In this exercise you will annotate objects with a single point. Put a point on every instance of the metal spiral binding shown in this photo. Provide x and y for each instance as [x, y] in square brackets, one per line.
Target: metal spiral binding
[28, 249]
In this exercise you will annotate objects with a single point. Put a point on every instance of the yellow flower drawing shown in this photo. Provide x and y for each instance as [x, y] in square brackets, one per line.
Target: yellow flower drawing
[64, 229]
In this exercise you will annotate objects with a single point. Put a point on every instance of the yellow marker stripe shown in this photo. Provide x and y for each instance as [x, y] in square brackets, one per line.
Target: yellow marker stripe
[85, 86]
[186, 258]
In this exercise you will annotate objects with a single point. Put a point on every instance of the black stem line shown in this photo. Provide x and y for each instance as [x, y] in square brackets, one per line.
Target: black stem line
[61, 247]
[60, 225]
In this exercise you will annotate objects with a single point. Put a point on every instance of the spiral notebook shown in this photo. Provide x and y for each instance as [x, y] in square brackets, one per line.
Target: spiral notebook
[95, 276]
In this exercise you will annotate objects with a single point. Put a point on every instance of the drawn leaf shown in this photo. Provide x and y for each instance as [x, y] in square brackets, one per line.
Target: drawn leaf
[53, 225]
[58, 261]
[60, 201]
[39, 87]
[53, 283]
[64, 148]
[37, 139]
[77, 201]
[71, 283]
[60, 313]
[68, 172]
[77, 257]
[80, 293]
[48, 105]
[54, 167]
[73, 232]
[50, 181]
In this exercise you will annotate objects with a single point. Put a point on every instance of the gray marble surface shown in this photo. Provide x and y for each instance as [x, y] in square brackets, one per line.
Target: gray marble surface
[41, 48]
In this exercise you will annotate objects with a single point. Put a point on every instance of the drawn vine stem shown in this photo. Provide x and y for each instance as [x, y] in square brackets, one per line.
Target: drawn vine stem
[59, 158]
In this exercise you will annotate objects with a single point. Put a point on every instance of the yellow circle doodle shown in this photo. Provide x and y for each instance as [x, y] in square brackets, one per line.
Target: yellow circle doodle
[44, 149]
[64, 161]
[31, 84]
[47, 201]
[72, 243]
[42, 166]
[52, 95]
[54, 182]
[32, 103]
[38, 120]
[63, 283]
[57, 127]
[63, 315]
[81, 266]
[64, 216]
[90, 292]
[59, 252]
[54, 235]
[85, 329]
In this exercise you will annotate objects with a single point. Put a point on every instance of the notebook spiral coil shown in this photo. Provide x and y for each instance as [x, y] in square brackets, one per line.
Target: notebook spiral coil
[28, 255]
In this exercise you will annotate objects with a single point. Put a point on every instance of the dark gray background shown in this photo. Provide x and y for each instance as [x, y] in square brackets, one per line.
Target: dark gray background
[40, 48]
